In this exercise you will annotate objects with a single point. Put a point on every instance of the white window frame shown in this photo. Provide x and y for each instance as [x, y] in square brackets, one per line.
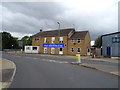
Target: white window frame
[53, 39]
[52, 49]
[72, 41]
[61, 39]
[72, 49]
[45, 40]
[79, 40]
[77, 50]
[45, 50]
[36, 39]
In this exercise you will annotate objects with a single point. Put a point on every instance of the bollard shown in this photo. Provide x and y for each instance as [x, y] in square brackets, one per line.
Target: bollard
[78, 59]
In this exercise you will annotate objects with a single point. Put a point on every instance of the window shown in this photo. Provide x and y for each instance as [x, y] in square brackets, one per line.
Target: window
[88, 50]
[53, 39]
[45, 50]
[72, 41]
[72, 49]
[116, 40]
[79, 40]
[61, 49]
[61, 39]
[34, 48]
[78, 50]
[36, 39]
[27, 48]
[45, 40]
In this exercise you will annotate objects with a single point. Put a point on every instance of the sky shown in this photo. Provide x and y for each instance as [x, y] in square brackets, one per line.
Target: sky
[27, 17]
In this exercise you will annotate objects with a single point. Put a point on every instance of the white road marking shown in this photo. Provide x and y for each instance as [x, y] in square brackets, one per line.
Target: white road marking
[48, 60]
[35, 58]
[16, 56]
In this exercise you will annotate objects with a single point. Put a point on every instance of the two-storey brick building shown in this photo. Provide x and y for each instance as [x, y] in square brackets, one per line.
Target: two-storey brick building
[63, 41]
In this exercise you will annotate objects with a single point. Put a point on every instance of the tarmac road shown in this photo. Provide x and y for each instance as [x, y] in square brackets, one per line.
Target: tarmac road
[55, 72]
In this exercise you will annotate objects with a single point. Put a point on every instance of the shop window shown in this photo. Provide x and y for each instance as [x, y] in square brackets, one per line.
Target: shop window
[28, 48]
[45, 50]
[78, 50]
[79, 40]
[34, 48]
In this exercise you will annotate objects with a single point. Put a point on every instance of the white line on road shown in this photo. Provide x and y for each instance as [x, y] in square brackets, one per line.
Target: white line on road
[48, 60]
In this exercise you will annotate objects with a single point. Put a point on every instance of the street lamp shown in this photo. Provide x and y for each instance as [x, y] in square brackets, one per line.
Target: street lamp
[59, 33]
[58, 28]
[12, 46]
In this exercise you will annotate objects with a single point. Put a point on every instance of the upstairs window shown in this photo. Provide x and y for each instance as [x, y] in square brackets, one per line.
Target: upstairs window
[36, 39]
[45, 40]
[61, 39]
[79, 40]
[72, 41]
[53, 39]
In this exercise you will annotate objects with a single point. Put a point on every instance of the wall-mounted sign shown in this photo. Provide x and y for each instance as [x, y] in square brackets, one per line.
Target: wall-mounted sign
[53, 45]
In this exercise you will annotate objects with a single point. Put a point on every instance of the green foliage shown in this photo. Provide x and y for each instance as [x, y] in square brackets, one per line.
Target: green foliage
[26, 40]
[98, 42]
[8, 41]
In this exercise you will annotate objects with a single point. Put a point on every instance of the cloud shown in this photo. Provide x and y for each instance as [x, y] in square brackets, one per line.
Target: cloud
[97, 16]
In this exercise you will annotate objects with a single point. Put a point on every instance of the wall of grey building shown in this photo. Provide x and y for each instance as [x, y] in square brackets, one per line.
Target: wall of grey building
[107, 41]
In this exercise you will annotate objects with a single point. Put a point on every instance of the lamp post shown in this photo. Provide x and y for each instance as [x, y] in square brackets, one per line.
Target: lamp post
[59, 34]
[58, 28]
[12, 46]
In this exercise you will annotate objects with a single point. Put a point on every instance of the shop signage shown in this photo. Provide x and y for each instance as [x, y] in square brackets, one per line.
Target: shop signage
[53, 45]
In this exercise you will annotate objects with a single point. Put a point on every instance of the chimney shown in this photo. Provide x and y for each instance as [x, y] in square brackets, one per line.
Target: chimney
[40, 30]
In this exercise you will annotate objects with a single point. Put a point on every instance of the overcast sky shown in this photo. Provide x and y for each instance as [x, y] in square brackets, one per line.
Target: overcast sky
[27, 18]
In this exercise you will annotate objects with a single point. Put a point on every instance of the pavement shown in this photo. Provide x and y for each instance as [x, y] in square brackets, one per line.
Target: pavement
[7, 72]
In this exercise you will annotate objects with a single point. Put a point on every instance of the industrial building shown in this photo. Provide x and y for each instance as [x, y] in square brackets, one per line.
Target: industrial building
[111, 44]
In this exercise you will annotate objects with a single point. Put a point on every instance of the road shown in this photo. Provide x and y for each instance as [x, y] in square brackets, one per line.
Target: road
[55, 72]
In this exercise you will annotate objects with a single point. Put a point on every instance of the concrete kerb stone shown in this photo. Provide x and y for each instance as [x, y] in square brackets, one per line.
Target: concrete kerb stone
[91, 67]
[81, 64]
[6, 65]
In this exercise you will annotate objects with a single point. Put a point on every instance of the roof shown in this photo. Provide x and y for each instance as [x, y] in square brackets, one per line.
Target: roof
[79, 35]
[63, 32]
[110, 34]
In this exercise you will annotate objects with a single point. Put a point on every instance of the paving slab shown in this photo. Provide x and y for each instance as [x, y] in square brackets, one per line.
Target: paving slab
[7, 72]
[105, 68]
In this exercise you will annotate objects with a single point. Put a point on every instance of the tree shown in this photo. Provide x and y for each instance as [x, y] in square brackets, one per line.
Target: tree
[8, 41]
[26, 40]
[98, 42]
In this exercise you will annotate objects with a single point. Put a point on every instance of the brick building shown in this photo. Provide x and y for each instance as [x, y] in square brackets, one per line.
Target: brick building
[63, 41]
